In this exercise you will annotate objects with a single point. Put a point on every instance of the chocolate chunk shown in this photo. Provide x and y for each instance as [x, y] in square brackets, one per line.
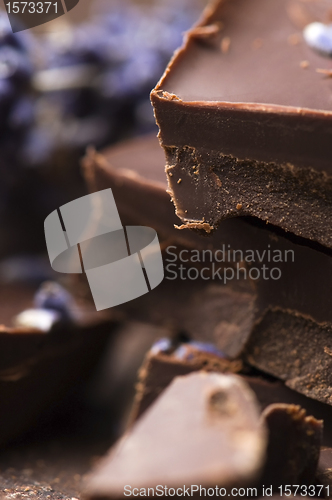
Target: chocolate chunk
[39, 368]
[162, 365]
[186, 416]
[167, 360]
[205, 311]
[274, 392]
[324, 473]
[268, 247]
[292, 460]
[203, 430]
[245, 125]
[295, 349]
[36, 386]
[229, 315]
[134, 171]
[293, 446]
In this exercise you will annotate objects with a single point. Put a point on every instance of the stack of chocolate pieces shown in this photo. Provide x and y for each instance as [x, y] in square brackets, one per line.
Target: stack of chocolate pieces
[245, 113]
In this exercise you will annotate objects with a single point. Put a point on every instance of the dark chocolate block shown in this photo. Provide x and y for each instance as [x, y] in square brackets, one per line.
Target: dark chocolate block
[228, 315]
[246, 120]
[290, 460]
[134, 171]
[296, 349]
[167, 360]
[203, 430]
[324, 473]
[293, 446]
[195, 434]
[160, 367]
[39, 368]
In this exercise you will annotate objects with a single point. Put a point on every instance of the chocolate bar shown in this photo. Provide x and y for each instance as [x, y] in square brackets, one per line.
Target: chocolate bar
[244, 111]
[306, 355]
[324, 473]
[167, 360]
[294, 458]
[134, 171]
[229, 315]
[39, 367]
[194, 434]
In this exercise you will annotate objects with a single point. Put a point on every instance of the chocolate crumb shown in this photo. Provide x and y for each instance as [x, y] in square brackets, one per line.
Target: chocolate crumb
[257, 43]
[206, 31]
[328, 351]
[304, 64]
[170, 96]
[294, 39]
[205, 226]
[225, 44]
[327, 72]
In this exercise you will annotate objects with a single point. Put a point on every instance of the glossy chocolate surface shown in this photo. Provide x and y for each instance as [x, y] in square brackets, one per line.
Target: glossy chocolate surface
[262, 64]
[246, 119]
